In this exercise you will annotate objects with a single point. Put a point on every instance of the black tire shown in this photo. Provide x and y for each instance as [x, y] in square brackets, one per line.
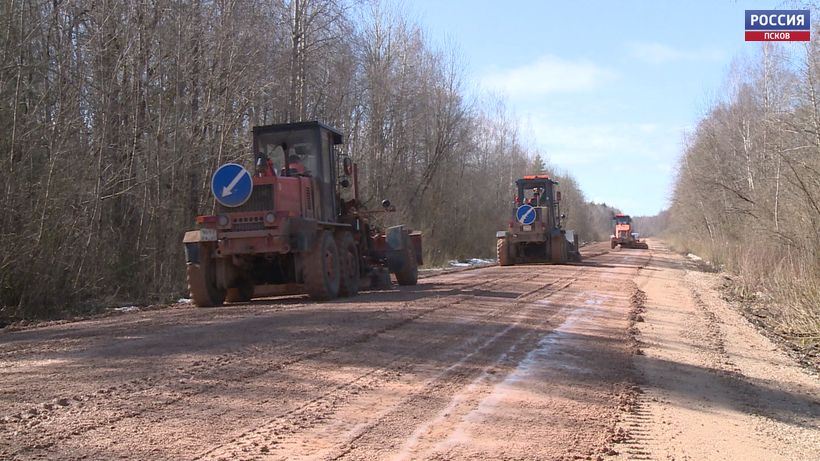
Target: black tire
[202, 280]
[612, 244]
[502, 252]
[241, 293]
[409, 273]
[349, 262]
[321, 269]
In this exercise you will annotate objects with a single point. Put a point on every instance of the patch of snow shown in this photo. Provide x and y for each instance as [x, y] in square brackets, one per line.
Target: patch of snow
[185, 300]
[470, 262]
[694, 257]
[127, 309]
[481, 261]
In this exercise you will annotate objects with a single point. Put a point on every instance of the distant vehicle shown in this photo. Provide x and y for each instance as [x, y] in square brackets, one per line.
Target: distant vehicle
[535, 233]
[288, 226]
[624, 234]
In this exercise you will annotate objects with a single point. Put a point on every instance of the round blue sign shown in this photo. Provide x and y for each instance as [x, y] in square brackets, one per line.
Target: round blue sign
[231, 185]
[525, 214]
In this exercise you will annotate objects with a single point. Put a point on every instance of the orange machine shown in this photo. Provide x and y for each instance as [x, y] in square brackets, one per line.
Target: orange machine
[624, 234]
[294, 230]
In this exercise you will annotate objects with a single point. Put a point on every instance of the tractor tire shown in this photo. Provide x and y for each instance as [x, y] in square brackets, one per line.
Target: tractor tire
[409, 273]
[240, 294]
[502, 252]
[202, 280]
[349, 262]
[612, 244]
[322, 269]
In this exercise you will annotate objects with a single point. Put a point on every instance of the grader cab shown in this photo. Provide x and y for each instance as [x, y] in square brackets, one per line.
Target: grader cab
[293, 225]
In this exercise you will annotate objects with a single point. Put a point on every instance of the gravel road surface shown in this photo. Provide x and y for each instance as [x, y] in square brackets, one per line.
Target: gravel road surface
[629, 355]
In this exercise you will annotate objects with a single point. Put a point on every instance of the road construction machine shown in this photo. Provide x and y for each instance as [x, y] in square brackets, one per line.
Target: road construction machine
[624, 234]
[535, 232]
[294, 224]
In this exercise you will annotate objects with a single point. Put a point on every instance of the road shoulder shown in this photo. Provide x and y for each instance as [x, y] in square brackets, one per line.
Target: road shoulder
[711, 386]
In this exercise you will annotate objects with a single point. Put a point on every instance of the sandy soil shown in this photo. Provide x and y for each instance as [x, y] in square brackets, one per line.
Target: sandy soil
[523, 362]
[711, 386]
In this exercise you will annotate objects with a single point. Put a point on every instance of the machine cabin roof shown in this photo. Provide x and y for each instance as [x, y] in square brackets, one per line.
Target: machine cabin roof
[280, 127]
[528, 182]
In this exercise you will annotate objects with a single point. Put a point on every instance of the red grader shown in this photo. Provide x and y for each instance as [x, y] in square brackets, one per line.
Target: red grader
[535, 233]
[624, 235]
[294, 226]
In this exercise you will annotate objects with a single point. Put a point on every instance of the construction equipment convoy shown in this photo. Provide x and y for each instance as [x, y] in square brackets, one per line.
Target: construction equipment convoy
[624, 235]
[535, 232]
[294, 226]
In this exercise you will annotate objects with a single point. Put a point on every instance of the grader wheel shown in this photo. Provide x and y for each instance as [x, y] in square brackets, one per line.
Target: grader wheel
[241, 293]
[322, 269]
[409, 273]
[502, 252]
[349, 263]
[202, 280]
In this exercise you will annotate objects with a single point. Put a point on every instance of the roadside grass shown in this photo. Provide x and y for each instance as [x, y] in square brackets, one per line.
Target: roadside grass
[787, 310]
[799, 318]
[778, 293]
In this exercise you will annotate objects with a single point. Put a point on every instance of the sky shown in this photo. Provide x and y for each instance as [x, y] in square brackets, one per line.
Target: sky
[605, 90]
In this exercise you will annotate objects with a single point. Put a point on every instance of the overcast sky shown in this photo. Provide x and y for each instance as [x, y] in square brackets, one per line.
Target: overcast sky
[605, 89]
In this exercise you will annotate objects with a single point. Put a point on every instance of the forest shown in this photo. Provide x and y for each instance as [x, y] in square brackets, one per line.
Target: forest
[747, 192]
[114, 114]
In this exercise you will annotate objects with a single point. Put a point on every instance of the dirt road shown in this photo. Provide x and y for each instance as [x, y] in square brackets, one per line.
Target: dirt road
[630, 355]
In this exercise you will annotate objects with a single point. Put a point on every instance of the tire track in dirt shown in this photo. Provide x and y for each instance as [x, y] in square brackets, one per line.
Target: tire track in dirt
[46, 408]
[711, 387]
[167, 390]
[441, 394]
[445, 436]
[630, 433]
[276, 431]
[154, 398]
[432, 437]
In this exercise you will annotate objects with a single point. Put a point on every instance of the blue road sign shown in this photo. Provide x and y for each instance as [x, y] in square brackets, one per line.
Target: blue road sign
[231, 185]
[525, 214]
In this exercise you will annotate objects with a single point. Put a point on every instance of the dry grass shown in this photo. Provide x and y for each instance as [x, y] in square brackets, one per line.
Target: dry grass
[791, 284]
[778, 291]
[799, 309]
[787, 309]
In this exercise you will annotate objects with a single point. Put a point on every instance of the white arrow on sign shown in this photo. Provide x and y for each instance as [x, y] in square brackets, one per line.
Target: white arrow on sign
[228, 190]
[527, 214]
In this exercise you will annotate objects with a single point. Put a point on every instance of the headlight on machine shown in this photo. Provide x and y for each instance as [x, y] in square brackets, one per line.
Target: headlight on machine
[270, 218]
[223, 220]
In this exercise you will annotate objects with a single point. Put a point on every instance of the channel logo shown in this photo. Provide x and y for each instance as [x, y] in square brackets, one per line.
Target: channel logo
[778, 26]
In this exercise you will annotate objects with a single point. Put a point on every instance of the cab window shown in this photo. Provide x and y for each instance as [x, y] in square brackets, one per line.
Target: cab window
[298, 146]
